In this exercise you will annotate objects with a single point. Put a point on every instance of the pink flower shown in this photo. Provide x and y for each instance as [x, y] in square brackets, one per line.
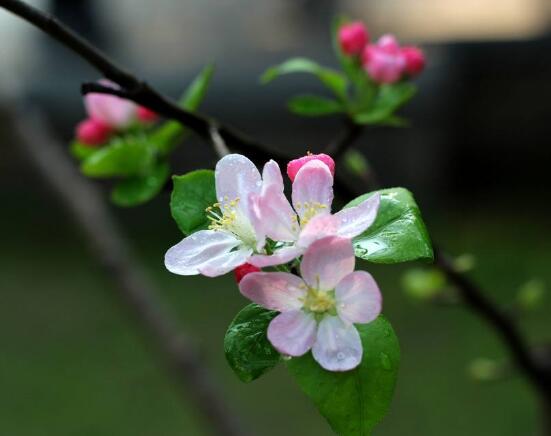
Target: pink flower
[310, 217]
[415, 60]
[146, 115]
[113, 111]
[353, 37]
[242, 270]
[384, 61]
[296, 164]
[92, 132]
[235, 232]
[318, 311]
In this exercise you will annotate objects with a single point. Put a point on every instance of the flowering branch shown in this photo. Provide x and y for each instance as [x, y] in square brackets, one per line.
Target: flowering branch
[87, 207]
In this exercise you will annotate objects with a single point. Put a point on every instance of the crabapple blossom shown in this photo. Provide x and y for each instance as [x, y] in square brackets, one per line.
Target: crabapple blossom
[296, 227]
[415, 60]
[92, 132]
[353, 37]
[296, 164]
[115, 112]
[319, 309]
[384, 61]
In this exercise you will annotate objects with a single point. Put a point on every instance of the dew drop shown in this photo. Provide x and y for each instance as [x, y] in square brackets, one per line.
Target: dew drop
[340, 356]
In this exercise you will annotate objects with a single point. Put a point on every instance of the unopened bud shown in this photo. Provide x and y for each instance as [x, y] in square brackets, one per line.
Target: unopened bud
[415, 60]
[92, 132]
[384, 61]
[297, 164]
[353, 37]
[146, 115]
[242, 270]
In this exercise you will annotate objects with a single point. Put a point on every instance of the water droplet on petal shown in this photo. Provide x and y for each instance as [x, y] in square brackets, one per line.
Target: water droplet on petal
[340, 356]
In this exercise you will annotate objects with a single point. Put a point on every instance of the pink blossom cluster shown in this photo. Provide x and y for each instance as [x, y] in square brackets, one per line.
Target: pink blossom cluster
[108, 114]
[385, 60]
[254, 227]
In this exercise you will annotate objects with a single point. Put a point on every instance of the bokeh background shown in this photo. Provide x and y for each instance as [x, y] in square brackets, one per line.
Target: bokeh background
[477, 158]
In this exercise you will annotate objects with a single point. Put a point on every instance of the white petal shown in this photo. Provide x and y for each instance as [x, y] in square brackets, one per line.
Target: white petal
[197, 250]
[271, 176]
[292, 333]
[326, 262]
[318, 227]
[355, 220]
[278, 219]
[236, 178]
[313, 187]
[280, 256]
[358, 298]
[274, 290]
[225, 262]
[338, 346]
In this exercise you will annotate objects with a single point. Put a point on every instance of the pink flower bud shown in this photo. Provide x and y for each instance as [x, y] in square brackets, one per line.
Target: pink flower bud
[353, 37]
[384, 61]
[116, 112]
[243, 270]
[92, 132]
[146, 115]
[415, 60]
[296, 164]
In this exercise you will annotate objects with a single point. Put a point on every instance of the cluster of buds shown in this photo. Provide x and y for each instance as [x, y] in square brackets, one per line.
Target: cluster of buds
[108, 114]
[385, 60]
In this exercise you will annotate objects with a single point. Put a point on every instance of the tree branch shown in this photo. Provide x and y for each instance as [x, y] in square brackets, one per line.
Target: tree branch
[87, 207]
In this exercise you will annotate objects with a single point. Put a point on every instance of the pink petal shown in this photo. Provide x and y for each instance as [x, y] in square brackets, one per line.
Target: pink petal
[313, 187]
[338, 346]
[197, 250]
[318, 227]
[280, 256]
[292, 333]
[355, 220]
[274, 290]
[236, 178]
[326, 262]
[277, 217]
[114, 111]
[224, 262]
[271, 176]
[296, 164]
[358, 298]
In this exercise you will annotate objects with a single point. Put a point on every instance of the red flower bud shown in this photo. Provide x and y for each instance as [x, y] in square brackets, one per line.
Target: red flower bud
[93, 132]
[243, 270]
[297, 164]
[353, 37]
[146, 115]
[415, 60]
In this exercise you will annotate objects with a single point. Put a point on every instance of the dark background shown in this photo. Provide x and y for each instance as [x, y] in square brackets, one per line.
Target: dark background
[476, 157]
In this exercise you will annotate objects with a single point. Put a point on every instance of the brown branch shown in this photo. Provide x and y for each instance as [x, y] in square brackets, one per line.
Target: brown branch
[87, 207]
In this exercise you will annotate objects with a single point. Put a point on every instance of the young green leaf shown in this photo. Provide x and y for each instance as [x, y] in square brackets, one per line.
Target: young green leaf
[247, 348]
[167, 136]
[82, 151]
[332, 79]
[354, 402]
[388, 100]
[192, 194]
[398, 233]
[314, 105]
[140, 189]
[122, 157]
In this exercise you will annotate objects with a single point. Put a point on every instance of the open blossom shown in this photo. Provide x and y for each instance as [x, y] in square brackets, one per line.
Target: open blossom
[310, 218]
[384, 61]
[318, 311]
[234, 234]
[353, 37]
[115, 112]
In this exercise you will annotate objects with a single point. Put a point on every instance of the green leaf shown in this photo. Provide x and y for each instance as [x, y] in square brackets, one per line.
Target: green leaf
[398, 233]
[167, 136]
[192, 194]
[82, 151]
[314, 105]
[140, 189]
[123, 156]
[247, 348]
[389, 99]
[332, 79]
[354, 402]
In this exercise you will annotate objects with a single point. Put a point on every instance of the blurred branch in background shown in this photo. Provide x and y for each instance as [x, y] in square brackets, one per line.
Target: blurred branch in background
[88, 208]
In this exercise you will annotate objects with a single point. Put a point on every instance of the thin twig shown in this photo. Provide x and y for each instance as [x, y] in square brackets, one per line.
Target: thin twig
[86, 205]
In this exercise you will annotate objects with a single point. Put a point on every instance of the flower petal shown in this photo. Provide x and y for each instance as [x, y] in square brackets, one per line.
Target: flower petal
[271, 176]
[278, 219]
[338, 346]
[292, 333]
[355, 220]
[318, 227]
[225, 262]
[313, 190]
[358, 298]
[114, 111]
[236, 178]
[326, 262]
[197, 250]
[279, 291]
[280, 256]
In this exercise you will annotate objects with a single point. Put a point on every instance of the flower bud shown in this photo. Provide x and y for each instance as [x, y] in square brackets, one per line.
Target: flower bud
[146, 115]
[118, 113]
[353, 37]
[415, 60]
[297, 164]
[384, 61]
[92, 132]
[243, 270]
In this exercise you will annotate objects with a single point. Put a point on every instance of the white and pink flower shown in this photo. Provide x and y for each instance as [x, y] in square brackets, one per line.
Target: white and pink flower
[319, 310]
